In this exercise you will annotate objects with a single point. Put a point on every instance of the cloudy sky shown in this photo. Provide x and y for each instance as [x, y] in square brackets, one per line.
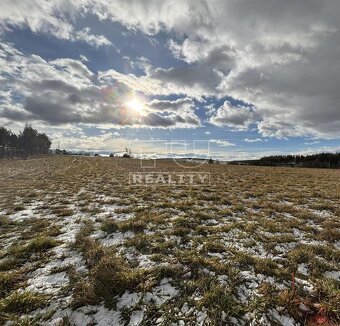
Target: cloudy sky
[248, 77]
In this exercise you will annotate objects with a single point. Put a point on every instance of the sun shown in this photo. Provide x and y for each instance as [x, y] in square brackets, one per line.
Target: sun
[135, 105]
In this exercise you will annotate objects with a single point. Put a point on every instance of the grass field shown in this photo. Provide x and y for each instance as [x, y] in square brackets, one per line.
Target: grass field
[79, 245]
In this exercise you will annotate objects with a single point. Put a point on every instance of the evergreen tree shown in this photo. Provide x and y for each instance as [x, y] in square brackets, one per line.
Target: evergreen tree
[8, 138]
[29, 140]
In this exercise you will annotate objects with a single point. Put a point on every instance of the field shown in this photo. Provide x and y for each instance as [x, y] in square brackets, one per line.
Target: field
[80, 246]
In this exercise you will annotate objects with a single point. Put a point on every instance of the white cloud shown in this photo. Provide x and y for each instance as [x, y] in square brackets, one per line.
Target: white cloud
[321, 149]
[95, 40]
[141, 84]
[255, 140]
[64, 91]
[51, 17]
[238, 118]
[83, 58]
[181, 104]
[282, 58]
[312, 142]
[40, 16]
[222, 143]
[74, 68]
[80, 141]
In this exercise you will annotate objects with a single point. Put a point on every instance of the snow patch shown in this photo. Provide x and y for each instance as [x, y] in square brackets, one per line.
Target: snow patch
[49, 284]
[136, 318]
[116, 238]
[162, 293]
[335, 275]
[128, 300]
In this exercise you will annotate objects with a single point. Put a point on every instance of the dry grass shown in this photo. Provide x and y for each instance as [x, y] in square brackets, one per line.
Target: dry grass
[229, 249]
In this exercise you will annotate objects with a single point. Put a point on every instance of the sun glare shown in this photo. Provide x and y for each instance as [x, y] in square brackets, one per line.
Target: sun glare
[135, 105]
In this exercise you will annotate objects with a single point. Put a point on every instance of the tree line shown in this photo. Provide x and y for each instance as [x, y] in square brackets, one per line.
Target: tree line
[321, 160]
[28, 141]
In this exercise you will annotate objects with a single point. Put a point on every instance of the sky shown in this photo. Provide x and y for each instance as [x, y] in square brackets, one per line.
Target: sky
[232, 79]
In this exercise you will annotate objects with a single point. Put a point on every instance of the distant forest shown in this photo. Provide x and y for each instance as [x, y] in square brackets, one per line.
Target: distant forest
[322, 160]
[27, 142]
